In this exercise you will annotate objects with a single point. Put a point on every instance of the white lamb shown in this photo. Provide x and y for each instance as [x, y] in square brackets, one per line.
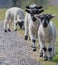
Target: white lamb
[47, 34]
[32, 25]
[15, 15]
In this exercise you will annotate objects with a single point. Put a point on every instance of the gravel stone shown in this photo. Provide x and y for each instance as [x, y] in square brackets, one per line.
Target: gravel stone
[14, 50]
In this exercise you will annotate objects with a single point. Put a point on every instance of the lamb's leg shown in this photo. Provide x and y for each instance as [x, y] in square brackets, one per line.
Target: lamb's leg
[33, 45]
[40, 52]
[33, 40]
[15, 22]
[51, 50]
[15, 28]
[26, 33]
[54, 41]
[43, 49]
[5, 25]
[26, 29]
[50, 53]
[8, 25]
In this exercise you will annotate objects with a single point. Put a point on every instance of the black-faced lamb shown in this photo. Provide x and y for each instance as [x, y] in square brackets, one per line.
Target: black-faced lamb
[46, 34]
[31, 24]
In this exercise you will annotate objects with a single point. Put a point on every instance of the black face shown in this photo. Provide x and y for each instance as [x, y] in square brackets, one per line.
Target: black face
[33, 18]
[20, 24]
[45, 23]
[33, 10]
[45, 19]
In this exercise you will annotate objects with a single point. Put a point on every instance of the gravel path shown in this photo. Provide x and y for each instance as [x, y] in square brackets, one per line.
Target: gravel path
[14, 50]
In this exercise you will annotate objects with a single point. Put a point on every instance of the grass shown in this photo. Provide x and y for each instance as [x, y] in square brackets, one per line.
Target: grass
[52, 10]
[2, 13]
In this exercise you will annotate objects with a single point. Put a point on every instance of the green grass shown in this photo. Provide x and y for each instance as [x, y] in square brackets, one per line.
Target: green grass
[2, 13]
[52, 10]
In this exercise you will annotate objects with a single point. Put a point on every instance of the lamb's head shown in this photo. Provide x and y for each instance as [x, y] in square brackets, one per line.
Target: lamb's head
[33, 12]
[20, 20]
[45, 19]
[20, 24]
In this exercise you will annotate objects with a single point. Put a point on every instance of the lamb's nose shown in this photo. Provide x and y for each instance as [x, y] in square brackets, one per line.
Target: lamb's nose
[45, 24]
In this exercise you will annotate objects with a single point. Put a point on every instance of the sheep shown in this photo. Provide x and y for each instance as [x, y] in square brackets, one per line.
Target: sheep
[31, 24]
[15, 15]
[46, 34]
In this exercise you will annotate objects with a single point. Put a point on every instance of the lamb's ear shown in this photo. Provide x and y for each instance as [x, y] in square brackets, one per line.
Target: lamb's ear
[27, 11]
[52, 16]
[38, 7]
[41, 11]
[27, 7]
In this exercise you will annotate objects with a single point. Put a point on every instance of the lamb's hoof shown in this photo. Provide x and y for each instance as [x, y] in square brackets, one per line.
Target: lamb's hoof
[50, 58]
[41, 55]
[26, 37]
[15, 30]
[34, 49]
[9, 30]
[45, 58]
[5, 30]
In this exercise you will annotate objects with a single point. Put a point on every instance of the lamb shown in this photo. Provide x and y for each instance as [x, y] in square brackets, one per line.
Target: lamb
[46, 34]
[15, 15]
[32, 25]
